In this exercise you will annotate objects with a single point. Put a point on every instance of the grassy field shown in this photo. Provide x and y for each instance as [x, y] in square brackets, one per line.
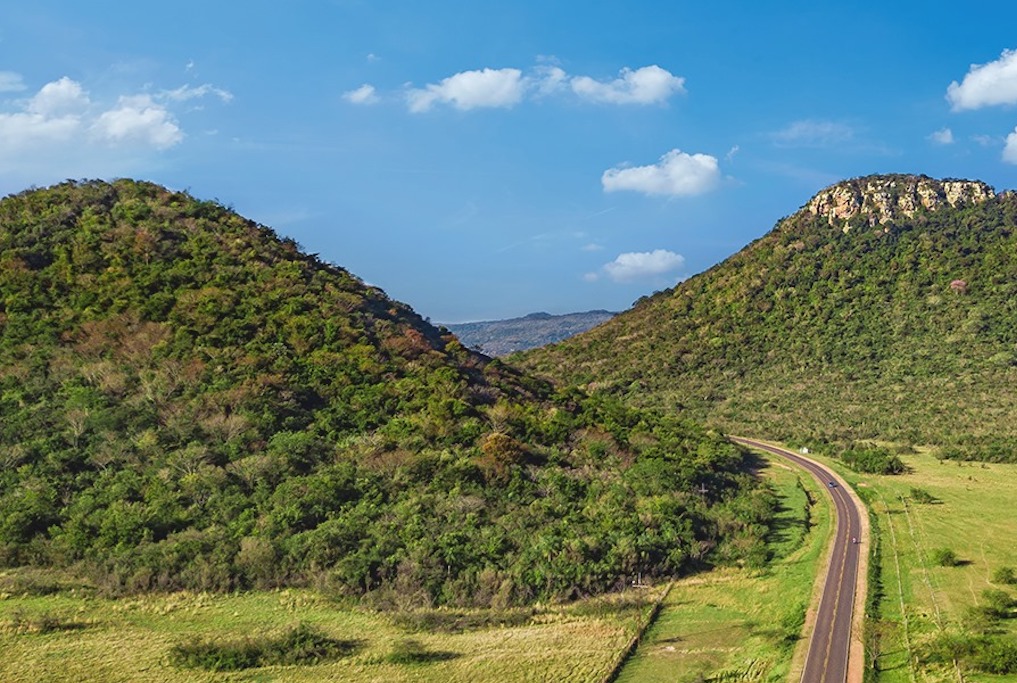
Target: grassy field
[741, 624]
[731, 624]
[971, 512]
[64, 637]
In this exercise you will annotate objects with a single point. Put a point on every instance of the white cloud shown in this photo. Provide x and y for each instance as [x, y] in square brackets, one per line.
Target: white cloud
[1010, 149]
[642, 265]
[59, 98]
[647, 85]
[11, 82]
[365, 94]
[550, 79]
[676, 174]
[985, 85]
[63, 131]
[471, 89]
[812, 133]
[139, 119]
[61, 111]
[508, 87]
[22, 130]
[592, 246]
[186, 92]
[943, 136]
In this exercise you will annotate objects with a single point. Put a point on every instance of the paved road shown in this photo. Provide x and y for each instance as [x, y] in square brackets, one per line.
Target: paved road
[830, 643]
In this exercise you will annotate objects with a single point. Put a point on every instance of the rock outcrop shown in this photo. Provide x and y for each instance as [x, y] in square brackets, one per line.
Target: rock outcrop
[881, 199]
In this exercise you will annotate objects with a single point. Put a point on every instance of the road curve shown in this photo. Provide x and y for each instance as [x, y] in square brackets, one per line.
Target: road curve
[829, 654]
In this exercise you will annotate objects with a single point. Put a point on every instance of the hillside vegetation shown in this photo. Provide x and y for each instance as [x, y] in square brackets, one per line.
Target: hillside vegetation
[188, 401]
[885, 308]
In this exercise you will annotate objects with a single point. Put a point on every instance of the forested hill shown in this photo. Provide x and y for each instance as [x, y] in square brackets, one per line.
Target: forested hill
[187, 400]
[885, 308]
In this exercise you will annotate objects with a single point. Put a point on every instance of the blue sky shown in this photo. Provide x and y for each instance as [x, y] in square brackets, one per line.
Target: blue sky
[483, 160]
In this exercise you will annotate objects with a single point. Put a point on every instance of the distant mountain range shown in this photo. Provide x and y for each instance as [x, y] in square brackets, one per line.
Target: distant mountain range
[502, 337]
[886, 307]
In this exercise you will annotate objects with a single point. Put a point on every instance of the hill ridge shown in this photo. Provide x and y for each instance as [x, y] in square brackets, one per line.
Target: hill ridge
[880, 199]
[899, 329]
[189, 401]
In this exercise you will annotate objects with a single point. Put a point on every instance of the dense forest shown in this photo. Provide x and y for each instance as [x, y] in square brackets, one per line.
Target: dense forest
[894, 325]
[189, 401]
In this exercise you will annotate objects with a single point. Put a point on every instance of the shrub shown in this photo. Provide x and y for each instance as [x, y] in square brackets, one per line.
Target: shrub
[1005, 575]
[873, 460]
[998, 656]
[945, 557]
[302, 644]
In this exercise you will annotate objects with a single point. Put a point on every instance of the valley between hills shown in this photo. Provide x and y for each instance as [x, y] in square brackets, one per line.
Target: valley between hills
[225, 458]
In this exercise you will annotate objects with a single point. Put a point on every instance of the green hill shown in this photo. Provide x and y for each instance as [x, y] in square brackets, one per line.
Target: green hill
[885, 308]
[187, 400]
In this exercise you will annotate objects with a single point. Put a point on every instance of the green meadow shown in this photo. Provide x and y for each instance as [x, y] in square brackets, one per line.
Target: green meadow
[966, 508]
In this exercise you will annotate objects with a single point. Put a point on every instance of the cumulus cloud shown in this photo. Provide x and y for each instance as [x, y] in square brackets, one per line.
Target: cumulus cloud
[365, 94]
[59, 98]
[21, 130]
[52, 114]
[812, 133]
[676, 174]
[138, 119]
[470, 90]
[11, 82]
[648, 85]
[508, 87]
[985, 85]
[643, 265]
[943, 136]
[550, 79]
[62, 131]
[1010, 148]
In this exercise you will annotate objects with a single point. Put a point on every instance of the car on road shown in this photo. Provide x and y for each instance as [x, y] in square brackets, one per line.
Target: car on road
[832, 484]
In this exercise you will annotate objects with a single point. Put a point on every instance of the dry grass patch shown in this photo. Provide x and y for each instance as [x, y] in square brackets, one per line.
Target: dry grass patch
[135, 639]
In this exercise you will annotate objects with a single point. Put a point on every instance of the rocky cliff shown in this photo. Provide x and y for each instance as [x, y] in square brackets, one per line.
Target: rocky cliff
[881, 199]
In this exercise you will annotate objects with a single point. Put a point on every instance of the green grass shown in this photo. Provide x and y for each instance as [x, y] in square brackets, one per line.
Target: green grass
[739, 624]
[135, 639]
[969, 511]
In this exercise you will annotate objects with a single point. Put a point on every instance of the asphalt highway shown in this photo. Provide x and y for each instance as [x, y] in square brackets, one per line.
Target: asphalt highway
[830, 641]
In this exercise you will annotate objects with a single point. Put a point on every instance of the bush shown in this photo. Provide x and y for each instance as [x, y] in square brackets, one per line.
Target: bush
[944, 557]
[1005, 575]
[998, 656]
[873, 460]
[302, 644]
[1000, 602]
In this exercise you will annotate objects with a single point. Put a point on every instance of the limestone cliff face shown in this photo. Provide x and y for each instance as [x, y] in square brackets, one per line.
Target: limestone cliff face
[880, 199]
